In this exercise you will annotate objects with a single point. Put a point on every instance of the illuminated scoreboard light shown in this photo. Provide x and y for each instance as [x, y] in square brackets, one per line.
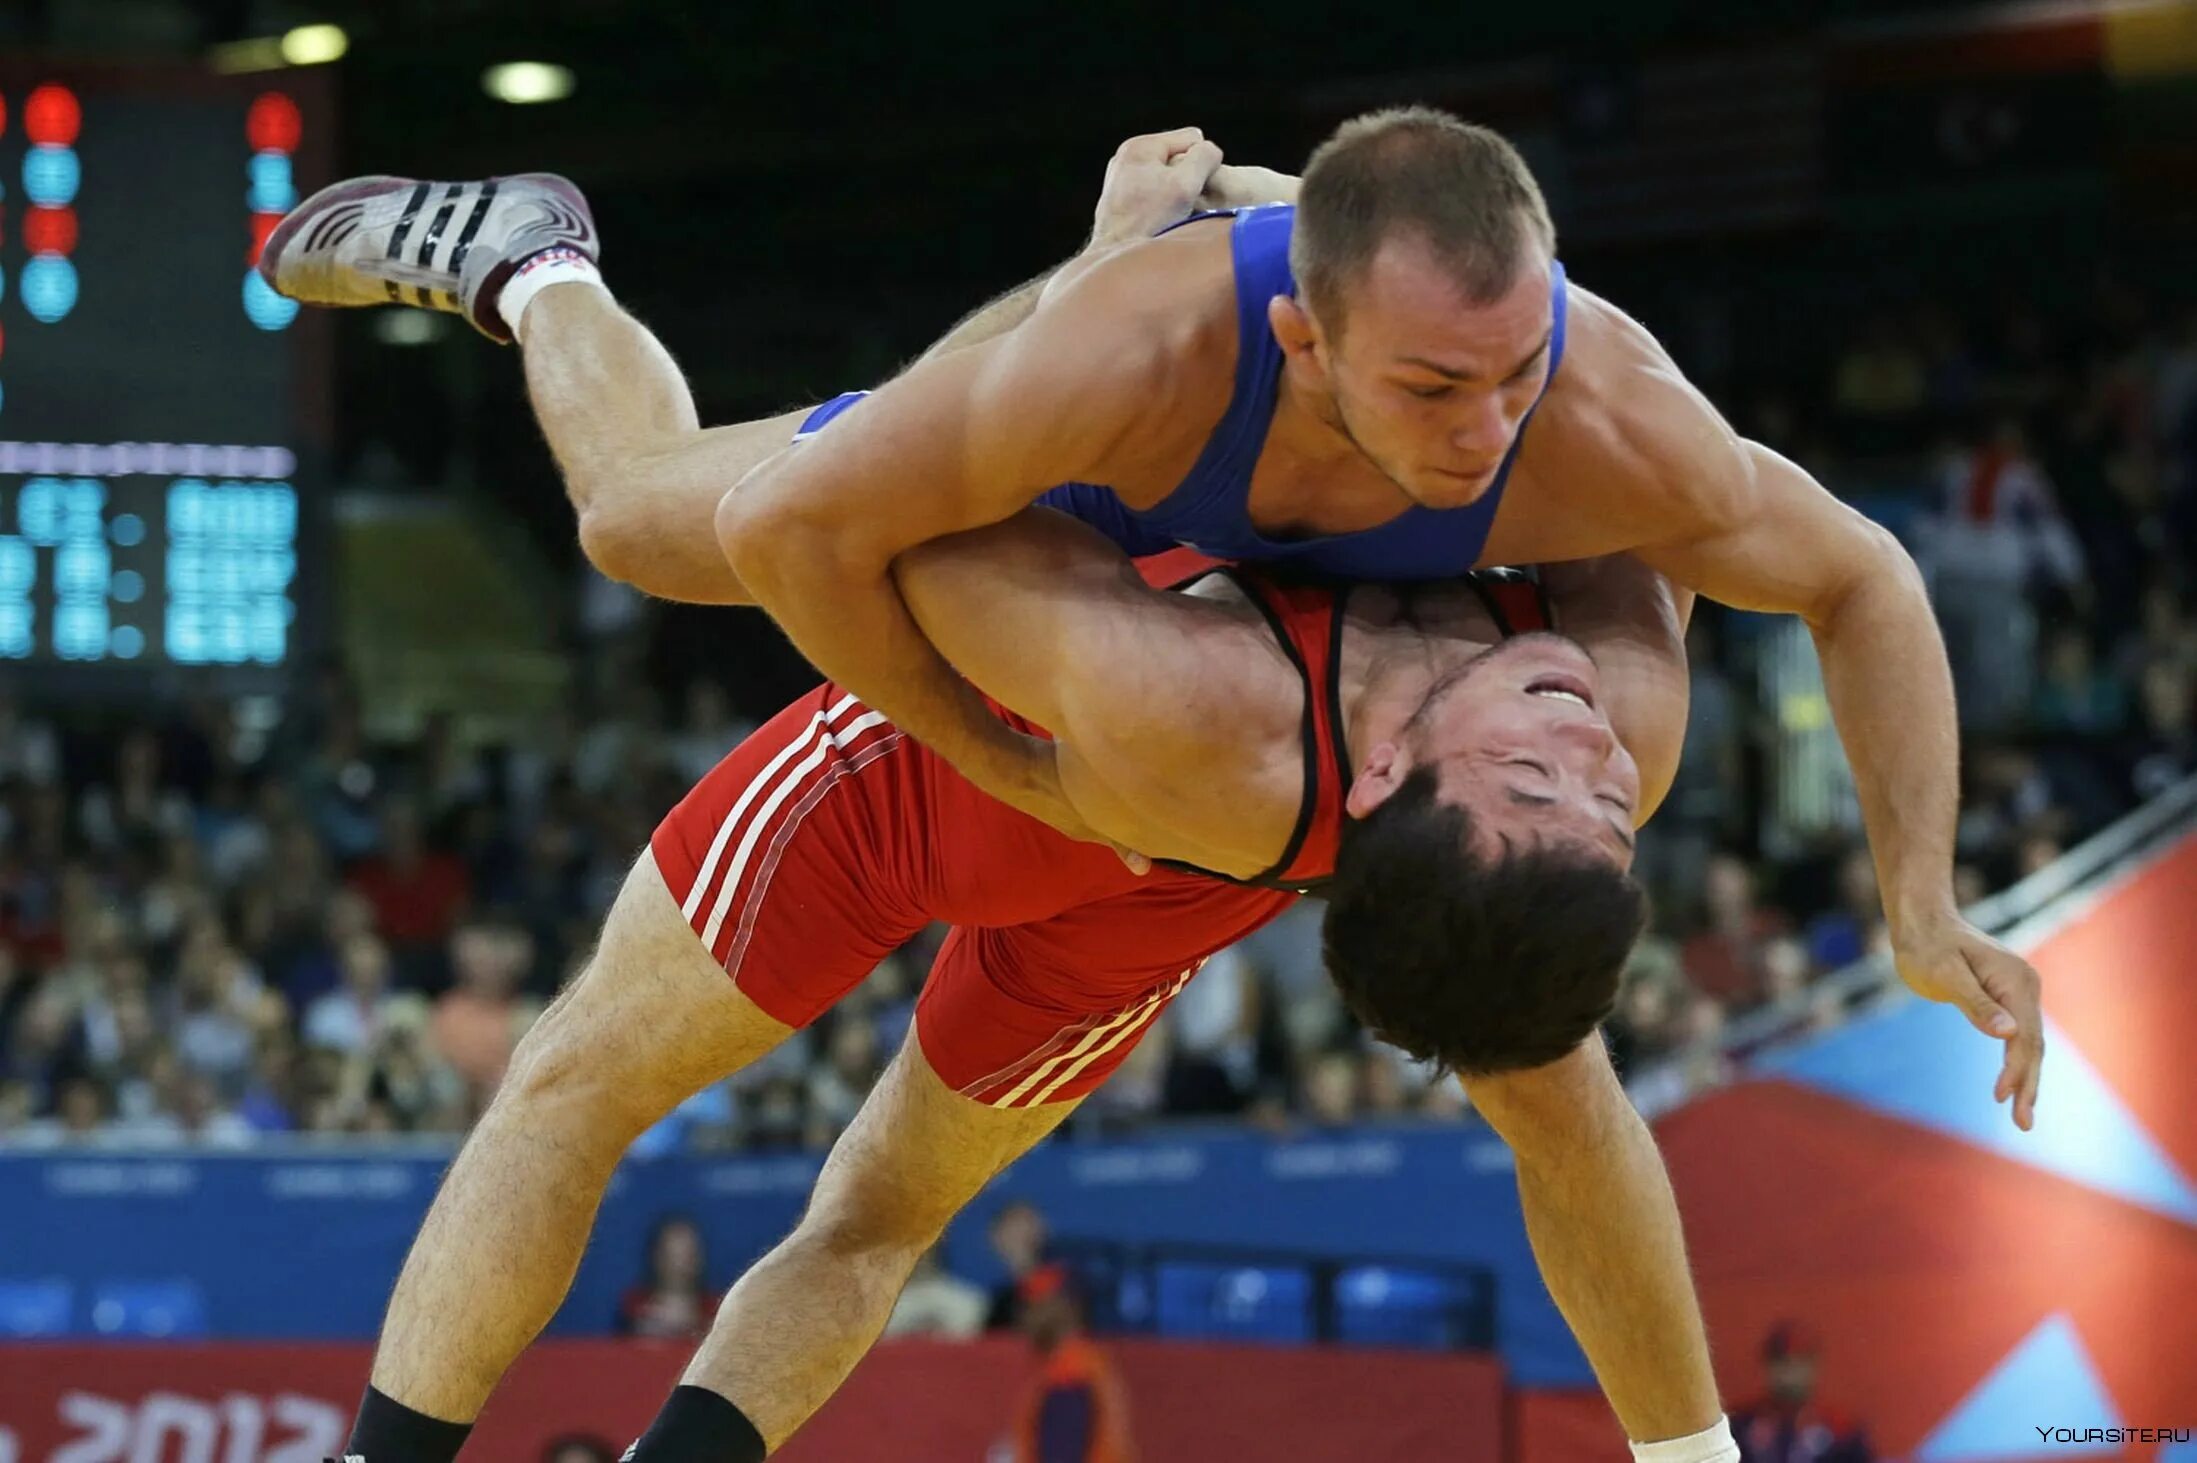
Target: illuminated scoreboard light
[158, 430]
[192, 571]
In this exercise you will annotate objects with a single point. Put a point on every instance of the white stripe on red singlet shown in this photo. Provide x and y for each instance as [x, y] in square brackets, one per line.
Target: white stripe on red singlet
[1095, 1044]
[703, 878]
[730, 885]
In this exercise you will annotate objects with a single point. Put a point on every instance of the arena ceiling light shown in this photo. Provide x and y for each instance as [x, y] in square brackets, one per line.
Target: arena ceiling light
[523, 82]
[314, 45]
[305, 45]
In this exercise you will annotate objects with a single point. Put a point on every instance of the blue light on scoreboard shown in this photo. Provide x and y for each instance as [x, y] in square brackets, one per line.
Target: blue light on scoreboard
[18, 576]
[272, 190]
[49, 287]
[51, 176]
[263, 307]
[232, 555]
[192, 571]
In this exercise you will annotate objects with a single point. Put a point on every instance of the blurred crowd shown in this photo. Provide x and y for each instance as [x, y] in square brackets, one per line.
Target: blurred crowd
[257, 918]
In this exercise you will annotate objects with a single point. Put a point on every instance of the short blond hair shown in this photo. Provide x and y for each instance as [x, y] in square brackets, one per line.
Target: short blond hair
[1414, 170]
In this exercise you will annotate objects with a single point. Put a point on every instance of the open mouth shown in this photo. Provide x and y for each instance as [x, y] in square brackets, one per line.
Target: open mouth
[1560, 687]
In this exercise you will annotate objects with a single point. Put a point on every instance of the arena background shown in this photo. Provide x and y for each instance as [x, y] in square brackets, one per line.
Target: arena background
[305, 691]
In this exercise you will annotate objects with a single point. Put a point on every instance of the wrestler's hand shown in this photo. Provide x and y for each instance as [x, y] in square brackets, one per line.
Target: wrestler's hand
[1153, 181]
[1232, 187]
[1948, 959]
[1035, 787]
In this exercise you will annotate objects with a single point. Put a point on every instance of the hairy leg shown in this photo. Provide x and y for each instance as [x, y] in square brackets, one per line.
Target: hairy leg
[796, 1324]
[643, 476]
[649, 1021]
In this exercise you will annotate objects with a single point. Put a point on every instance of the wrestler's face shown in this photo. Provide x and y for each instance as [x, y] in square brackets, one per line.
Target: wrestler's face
[1430, 386]
[1518, 738]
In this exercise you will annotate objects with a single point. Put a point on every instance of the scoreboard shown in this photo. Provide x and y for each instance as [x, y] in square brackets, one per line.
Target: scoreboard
[162, 412]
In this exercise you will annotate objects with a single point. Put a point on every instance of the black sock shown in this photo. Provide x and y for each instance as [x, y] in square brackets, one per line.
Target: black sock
[390, 1432]
[697, 1426]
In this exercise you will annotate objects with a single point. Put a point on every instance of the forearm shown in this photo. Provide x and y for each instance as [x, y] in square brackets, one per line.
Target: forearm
[850, 621]
[1891, 695]
[1605, 1230]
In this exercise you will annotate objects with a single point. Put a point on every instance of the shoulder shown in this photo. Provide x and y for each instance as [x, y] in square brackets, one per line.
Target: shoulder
[1626, 419]
[1161, 302]
[1134, 356]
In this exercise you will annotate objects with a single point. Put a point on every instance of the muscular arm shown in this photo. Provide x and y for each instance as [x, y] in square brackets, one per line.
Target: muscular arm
[961, 440]
[1175, 717]
[1749, 529]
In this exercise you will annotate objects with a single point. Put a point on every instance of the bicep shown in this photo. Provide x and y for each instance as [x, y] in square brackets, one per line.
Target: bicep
[959, 441]
[1783, 544]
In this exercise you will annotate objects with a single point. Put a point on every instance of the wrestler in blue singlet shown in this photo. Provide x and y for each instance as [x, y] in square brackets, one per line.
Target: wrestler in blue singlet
[1210, 510]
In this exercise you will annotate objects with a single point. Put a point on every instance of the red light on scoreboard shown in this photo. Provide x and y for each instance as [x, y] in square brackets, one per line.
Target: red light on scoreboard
[273, 124]
[49, 230]
[51, 117]
[263, 224]
[3, 115]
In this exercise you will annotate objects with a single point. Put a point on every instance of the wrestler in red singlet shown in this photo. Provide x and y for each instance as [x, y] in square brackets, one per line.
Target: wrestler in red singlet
[829, 838]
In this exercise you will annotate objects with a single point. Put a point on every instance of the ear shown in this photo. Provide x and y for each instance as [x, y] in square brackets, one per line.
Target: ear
[1385, 769]
[1296, 332]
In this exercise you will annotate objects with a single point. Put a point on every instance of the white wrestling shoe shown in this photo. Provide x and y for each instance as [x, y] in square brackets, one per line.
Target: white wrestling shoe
[439, 246]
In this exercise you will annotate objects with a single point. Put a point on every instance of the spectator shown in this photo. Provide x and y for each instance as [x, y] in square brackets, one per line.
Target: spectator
[80, 1116]
[47, 1046]
[417, 893]
[1331, 1089]
[1018, 1236]
[1786, 1424]
[2167, 751]
[17, 1102]
[137, 802]
[1998, 536]
[1214, 1026]
[348, 1018]
[673, 1301]
[311, 956]
[707, 732]
[1077, 1411]
[851, 1064]
[422, 1092]
[935, 1303]
[2076, 697]
[271, 1095]
[479, 1021]
[217, 1002]
[192, 1115]
[1854, 927]
[1725, 960]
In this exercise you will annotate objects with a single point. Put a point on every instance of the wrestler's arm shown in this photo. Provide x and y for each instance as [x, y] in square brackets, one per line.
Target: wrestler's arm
[1036, 607]
[1750, 529]
[1084, 390]
[1151, 698]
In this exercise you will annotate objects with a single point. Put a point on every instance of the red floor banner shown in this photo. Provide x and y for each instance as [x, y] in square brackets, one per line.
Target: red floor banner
[910, 1402]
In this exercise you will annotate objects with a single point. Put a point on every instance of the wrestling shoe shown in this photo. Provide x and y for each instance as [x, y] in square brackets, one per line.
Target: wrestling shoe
[440, 246]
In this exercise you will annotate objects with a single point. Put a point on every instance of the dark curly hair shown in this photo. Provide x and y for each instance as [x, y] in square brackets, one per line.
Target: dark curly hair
[1482, 965]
